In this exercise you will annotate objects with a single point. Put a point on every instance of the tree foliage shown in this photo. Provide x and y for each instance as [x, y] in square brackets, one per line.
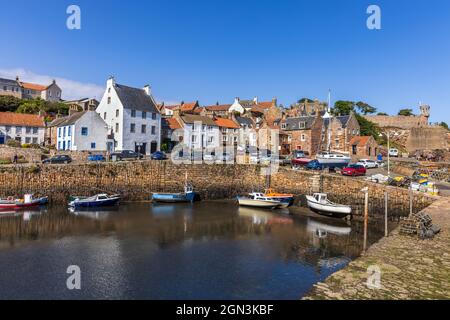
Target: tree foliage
[32, 106]
[405, 112]
[368, 128]
[382, 114]
[302, 100]
[365, 108]
[444, 125]
[343, 108]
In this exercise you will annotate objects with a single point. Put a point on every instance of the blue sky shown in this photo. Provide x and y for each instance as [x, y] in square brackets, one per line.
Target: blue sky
[216, 50]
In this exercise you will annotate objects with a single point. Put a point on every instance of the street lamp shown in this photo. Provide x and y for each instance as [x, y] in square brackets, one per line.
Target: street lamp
[388, 135]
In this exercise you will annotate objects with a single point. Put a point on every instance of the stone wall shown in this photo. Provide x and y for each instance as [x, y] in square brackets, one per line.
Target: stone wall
[402, 122]
[429, 138]
[135, 181]
[29, 154]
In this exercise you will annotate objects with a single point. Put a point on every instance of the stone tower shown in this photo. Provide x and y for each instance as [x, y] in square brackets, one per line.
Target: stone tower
[424, 113]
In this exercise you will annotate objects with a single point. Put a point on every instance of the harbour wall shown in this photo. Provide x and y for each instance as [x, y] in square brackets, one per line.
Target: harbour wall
[135, 181]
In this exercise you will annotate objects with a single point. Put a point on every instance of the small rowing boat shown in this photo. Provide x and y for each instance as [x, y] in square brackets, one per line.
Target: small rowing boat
[99, 200]
[319, 203]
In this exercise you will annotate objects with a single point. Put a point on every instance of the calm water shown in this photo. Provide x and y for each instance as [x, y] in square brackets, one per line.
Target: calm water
[209, 250]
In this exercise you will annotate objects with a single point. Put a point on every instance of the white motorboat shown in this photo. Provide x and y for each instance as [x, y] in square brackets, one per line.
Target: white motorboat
[258, 200]
[333, 158]
[319, 203]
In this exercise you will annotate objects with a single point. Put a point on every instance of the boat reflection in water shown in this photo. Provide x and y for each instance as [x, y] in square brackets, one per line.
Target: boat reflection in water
[96, 213]
[261, 216]
[322, 228]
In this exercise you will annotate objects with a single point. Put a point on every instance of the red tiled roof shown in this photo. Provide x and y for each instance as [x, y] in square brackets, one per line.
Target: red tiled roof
[188, 106]
[172, 107]
[257, 108]
[21, 119]
[226, 123]
[173, 123]
[360, 140]
[33, 86]
[264, 105]
[220, 107]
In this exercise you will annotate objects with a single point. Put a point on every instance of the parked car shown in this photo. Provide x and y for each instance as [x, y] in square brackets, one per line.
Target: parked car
[96, 157]
[209, 156]
[368, 164]
[354, 170]
[126, 155]
[393, 152]
[224, 157]
[314, 165]
[58, 159]
[254, 158]
[158, 155]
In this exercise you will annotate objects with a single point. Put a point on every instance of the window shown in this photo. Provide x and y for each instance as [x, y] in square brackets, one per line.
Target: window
[84, 131]
[59, 144]
[235, 139]
[68, 145]
[224, 138]
[5, 88]
[27, 140]
[59, 132]
[153, 130]
[133, 113]
[336, 142]
[154, 116]
[27, 129]
[35, 140]
[109, 90]
[132, 128]
[210, 139]
[8, 128]
[69, 131]
[104, 115]
[194, 138]
[92, 145]
[303, 137]
[117, 127]
[64, 131]
[302, 125]
[143, 128]
[117, 113]
[109, 100]
[224, 130]
[283, 126]
[289, 138]
[35, 130]
[144, 115]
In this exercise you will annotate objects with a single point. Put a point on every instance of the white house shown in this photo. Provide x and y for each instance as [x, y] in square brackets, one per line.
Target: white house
[198, 132]
[132, 117]
[24, 128]
[82, 131]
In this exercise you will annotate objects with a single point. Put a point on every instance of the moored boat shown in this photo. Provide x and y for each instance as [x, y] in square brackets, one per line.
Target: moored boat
[99, 200]
[282, 197]
[319, 203]
[28, 201]
[187, 196]
[259, 200]
[333, 159]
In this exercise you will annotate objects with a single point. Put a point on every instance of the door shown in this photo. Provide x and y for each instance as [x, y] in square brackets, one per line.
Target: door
[2, 139]
[153, 147]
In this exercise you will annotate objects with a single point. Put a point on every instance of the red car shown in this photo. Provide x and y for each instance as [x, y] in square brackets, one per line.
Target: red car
[354, 170]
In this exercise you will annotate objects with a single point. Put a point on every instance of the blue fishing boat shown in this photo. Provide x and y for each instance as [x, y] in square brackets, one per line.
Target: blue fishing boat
[187, 196]
[99, 200]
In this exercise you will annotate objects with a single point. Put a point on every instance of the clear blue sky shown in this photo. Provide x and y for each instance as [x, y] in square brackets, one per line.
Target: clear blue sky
[216, 50]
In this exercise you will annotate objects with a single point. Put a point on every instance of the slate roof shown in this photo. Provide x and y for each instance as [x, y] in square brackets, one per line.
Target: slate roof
[57, 121]
[342, 119]
[134, 98]
[245, 121]
[220, 107]
[191, 118]
[69, 120]
[8, 82]
[294, 123]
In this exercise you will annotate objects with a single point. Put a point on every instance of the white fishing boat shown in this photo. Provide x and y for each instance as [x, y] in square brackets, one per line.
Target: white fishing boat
[258, 200]
[331, 158]
[319, 203]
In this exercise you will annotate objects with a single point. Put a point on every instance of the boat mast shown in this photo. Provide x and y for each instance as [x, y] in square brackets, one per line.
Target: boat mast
[328, 116]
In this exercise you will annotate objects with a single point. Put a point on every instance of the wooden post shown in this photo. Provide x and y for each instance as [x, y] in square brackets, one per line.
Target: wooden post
[386, 232]
[366, 216]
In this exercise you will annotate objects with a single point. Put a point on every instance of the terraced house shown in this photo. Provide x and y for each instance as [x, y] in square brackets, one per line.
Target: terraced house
[132, 117]
[24, 128]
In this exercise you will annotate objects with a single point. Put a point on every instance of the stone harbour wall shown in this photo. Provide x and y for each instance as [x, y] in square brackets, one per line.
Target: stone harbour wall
[135, 181]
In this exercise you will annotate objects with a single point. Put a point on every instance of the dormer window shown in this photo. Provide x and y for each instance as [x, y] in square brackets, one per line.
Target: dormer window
[283, 126]
[302, 125]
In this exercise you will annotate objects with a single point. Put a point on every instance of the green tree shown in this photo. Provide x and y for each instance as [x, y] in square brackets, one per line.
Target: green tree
[444, 125]
[9, 103]
[302, 100]
[368, 128]
[382, 114]
[365, 108]
[343, 108]
[405, 112]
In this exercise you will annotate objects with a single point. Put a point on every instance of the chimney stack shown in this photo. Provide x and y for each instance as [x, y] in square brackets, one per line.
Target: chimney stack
[148, 89]
[73, 108]
[111, 82]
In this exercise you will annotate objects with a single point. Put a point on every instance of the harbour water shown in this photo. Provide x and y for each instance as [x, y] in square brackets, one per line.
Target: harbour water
[206, 250]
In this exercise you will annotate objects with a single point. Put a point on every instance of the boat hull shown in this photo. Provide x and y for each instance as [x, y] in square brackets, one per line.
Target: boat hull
[173, 197]
[336, 211]
[96, 203]
[269, 204]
